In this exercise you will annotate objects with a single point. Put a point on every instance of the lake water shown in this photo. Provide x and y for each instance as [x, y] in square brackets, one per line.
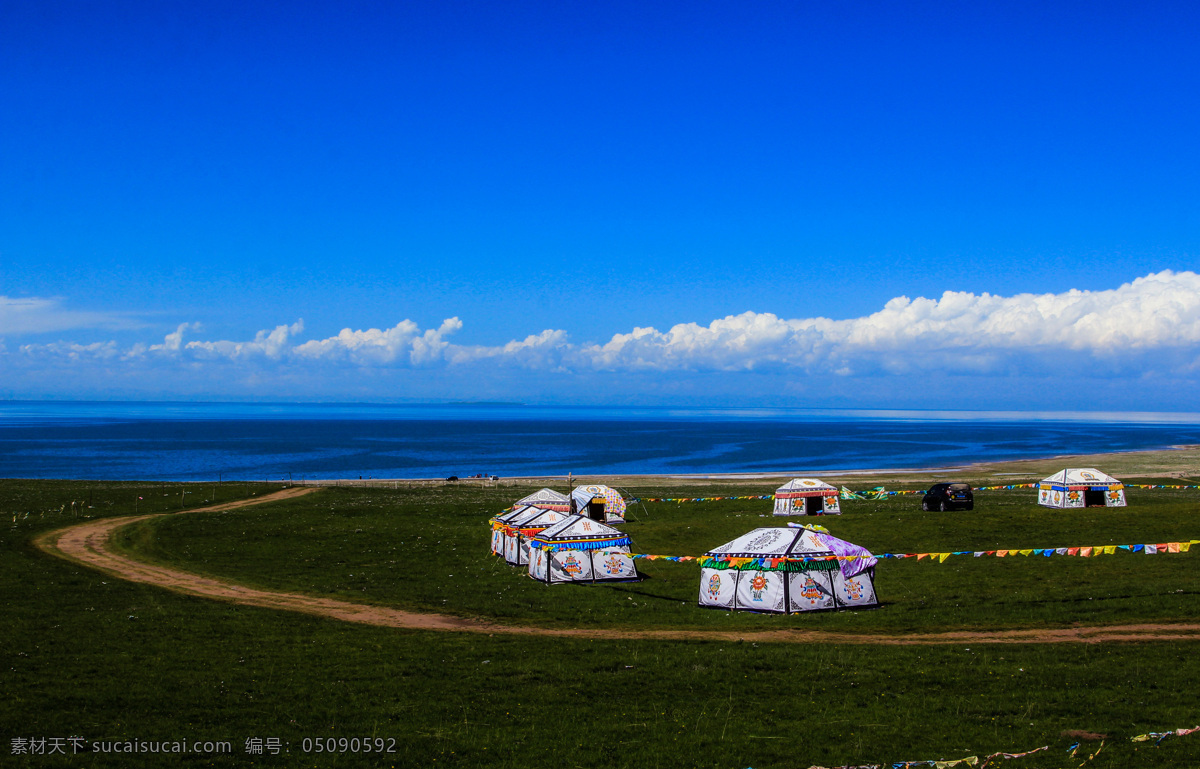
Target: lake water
[206, 441]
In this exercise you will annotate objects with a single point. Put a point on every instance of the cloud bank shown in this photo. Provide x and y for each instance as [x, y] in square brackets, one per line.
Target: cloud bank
[1158, 312]
[1152, 321]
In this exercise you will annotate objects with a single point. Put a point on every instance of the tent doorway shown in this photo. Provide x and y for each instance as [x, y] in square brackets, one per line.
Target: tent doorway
[814, 505]
[1094, 498]
[595, 511]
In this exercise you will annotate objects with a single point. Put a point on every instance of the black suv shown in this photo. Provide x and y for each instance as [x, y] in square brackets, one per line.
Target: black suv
[948, 496]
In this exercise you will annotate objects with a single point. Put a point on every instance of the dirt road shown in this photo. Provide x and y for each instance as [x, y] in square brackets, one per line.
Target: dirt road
[90, 544]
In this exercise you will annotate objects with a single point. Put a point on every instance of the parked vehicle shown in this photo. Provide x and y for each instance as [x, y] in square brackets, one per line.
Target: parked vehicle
[948, 496]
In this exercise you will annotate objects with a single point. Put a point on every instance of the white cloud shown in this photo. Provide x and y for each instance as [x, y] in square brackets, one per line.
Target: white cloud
[370, 346]
[744, 341]
[72, 351]
[403, 342]
[1158, 312]
[271, 344]
[39, 315]
[429, 347]
[173, 342]
[1151, 324]
[544, 350]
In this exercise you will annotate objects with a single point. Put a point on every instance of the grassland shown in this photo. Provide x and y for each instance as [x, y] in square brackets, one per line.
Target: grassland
[86, 655]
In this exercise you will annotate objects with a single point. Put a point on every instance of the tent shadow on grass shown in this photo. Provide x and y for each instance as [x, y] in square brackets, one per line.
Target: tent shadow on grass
[623, 588]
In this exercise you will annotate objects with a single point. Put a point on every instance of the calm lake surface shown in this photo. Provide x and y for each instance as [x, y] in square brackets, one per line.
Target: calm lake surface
[237, 441]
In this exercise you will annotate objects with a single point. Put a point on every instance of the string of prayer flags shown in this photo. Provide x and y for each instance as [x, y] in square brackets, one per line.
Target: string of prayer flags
[1082, 551]
[1160, 736]
[1007, 487]
[1002, 755]
[1093, 755]
[1158, 486]
[698, 499]
[675, 558]
[942, 764]
[988, 760]
[968, 761]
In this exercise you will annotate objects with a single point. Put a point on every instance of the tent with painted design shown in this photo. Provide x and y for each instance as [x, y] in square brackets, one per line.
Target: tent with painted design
[787, 570]
[598, 502]
[547, 499]
[806, 496]
[579, 549]
[1081, 487]
[499, 526]
[520, 528]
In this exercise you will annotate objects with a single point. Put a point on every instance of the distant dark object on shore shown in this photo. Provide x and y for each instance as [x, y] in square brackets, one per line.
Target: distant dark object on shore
[452, 478]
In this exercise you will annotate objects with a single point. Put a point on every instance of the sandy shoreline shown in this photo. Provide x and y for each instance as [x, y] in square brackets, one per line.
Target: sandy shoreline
[1176, 461]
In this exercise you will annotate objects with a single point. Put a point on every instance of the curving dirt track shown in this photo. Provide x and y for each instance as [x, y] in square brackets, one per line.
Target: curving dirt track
[90, 544]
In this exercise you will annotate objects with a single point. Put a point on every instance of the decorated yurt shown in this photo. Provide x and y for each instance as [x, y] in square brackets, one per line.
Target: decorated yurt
[499, 524]
[547, 499]
[1081, 487]
[580, 550]
[787, 570]
[600, 503]
[517, 531]
[806, 496]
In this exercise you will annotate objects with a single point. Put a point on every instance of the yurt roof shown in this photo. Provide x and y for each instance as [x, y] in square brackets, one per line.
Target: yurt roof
[768, 542]
[543, 518]
[527, 514]
[613, 501]
[545, 495]
[1081, 476]
[598, 489]
[579, 527]
[583, 497]
[594, 491]
[803, 487]
[771, 542]
[513, 514]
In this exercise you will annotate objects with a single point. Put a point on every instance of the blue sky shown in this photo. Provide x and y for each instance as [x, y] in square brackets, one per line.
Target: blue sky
[526, 184]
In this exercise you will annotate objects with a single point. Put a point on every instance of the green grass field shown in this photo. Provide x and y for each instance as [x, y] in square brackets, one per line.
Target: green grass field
[86, 655]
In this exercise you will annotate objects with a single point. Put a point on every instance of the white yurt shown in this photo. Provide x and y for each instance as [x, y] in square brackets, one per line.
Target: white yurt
[518, 530]
[600, 503]
[499, 524]
[806, 496]
[547, 499]
[1081, 487]
[581, 550]
[787, 570]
